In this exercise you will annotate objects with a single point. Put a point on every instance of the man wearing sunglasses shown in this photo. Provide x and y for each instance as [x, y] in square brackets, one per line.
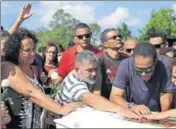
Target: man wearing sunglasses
[111, 58]
[129, 46]
[82, 39]
[158, 40]
[150, 86]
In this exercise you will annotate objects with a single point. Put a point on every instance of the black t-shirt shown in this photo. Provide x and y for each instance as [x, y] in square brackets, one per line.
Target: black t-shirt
[109, 67]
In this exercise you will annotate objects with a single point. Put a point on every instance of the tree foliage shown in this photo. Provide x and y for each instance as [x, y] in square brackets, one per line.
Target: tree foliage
[124, 31]
[95, 28]
[61, 29]
[163, 20]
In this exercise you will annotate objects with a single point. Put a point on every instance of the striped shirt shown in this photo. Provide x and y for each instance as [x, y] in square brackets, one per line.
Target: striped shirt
[72, 89]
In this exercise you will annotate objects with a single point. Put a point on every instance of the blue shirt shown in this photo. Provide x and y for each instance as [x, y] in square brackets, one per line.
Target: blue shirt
[144, 92]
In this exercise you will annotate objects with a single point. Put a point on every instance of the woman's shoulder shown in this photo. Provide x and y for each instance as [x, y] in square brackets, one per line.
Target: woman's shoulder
[7, 64]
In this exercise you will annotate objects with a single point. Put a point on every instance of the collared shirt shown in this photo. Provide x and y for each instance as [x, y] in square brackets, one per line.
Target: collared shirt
[144, 92]
[72, 89]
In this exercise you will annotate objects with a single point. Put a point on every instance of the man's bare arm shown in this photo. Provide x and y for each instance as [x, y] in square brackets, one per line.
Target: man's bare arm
[103, 104]
[116, 97]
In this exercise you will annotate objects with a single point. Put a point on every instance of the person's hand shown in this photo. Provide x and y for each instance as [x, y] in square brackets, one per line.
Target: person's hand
[141, 110]
[68, 108]
[43, 78]
[5, 118]
[129, 114]
[25, 12]
[156, 116]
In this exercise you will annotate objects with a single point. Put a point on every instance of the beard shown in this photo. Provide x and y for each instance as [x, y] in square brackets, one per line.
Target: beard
[91, 80]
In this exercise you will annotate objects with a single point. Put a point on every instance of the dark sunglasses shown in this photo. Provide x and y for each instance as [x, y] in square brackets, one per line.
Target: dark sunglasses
[129, 50]
[157, 46]
[146, 70]
[87, 36]
[115, 37]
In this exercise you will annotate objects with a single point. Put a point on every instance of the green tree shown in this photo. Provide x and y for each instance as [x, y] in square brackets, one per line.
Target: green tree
[61, 29]
[95, 28]
[124, 31]
[163, 20]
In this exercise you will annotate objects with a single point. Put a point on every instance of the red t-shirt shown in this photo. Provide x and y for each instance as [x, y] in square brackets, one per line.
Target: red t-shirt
[67, 63]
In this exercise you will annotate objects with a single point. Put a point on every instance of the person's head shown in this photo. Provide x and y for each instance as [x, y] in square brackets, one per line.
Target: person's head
[145, 59]
[82, 35]
[158, 40]
[4, 37]
[50, 54]
[129, 46]
[111, 39]
[20, 48]
[86, 66]
[60, 52]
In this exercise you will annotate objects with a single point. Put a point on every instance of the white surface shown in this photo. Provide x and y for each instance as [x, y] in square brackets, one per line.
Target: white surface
[90, 118]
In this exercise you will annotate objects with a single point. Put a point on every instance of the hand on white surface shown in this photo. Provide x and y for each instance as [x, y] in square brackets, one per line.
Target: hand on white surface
[141, 110]
[68, 108]
[129, 114]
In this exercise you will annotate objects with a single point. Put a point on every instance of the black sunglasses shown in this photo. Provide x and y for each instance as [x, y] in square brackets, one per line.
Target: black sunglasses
[129, 50]
[115, 37]
[87, 36]
[157, 46]
[146, 70]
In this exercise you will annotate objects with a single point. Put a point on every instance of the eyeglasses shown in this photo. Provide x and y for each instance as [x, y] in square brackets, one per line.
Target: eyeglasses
[129, 50]
[29, 50]
[139, 71]
[115, 37]
[87, 36]
[157, 46]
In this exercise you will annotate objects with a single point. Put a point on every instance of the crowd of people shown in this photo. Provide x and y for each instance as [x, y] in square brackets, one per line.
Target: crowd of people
[132, 79]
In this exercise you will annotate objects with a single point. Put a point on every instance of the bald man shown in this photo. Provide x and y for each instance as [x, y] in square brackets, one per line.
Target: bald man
[130, 45]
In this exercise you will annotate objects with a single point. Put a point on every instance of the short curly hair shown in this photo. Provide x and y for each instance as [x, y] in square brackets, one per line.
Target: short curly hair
[13, 44]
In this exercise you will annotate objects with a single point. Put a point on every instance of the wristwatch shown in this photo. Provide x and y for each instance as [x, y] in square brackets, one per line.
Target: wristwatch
[130, 105]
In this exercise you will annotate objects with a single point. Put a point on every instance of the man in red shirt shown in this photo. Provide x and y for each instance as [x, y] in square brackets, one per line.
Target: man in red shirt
[82, 39]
